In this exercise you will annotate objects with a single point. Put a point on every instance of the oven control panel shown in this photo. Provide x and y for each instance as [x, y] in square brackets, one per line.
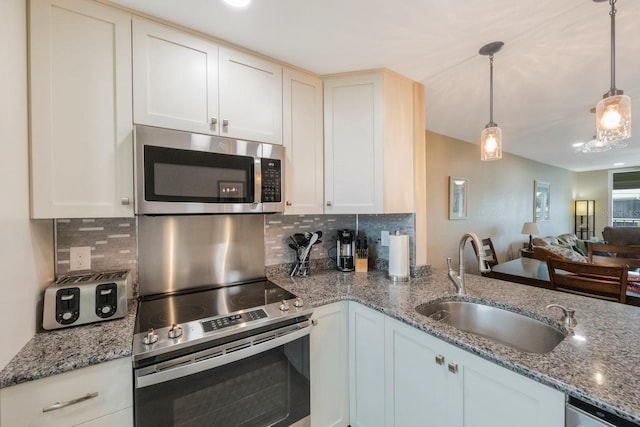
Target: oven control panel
[224, 322]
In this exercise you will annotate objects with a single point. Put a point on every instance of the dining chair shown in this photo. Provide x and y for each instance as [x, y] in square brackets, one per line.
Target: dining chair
[489, 253]
[621, 255]
[599, 281]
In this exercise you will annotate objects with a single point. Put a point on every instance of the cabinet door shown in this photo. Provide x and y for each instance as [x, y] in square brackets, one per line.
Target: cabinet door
[366, 366]
[353, 144]
[250, 97]
[417, 382]
[330, 366]
[110, 382]
[81, 128]
[302, 138]
[498, 397]
[175, 79]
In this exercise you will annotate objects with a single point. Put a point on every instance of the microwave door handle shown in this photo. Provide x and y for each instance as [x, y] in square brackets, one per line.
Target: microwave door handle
[257, 179]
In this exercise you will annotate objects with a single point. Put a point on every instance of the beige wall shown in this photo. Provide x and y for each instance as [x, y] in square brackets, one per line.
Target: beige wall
[500, 200]
[595, 186]
[26, 262]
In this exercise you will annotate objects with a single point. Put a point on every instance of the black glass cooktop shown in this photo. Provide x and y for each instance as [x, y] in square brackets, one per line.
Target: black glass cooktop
[164, 311]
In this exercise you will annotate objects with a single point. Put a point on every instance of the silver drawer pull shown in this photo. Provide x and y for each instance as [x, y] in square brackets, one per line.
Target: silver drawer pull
[125, 201]
[59, 405]
[453, 368]
[440, 359]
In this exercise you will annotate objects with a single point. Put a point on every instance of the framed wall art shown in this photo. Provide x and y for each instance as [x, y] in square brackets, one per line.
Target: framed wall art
[541, 201]
[458, 197]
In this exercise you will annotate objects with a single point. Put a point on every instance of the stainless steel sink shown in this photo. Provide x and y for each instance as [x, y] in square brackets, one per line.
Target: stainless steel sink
[505, 327]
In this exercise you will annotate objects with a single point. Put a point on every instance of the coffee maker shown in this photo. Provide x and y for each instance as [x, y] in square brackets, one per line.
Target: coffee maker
[346, 250]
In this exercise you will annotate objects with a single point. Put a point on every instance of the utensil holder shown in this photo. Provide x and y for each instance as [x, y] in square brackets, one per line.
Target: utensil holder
[301, 269]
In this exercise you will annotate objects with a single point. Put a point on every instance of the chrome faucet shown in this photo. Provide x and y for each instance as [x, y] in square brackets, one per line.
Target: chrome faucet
[568, 315]
[458, 280]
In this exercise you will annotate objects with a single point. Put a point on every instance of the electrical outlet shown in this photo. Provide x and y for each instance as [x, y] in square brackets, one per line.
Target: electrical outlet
[80, 258]
[384, 238]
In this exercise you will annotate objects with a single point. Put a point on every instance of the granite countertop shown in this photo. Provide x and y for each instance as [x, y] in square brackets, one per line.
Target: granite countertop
[54, 352]
[599, 363]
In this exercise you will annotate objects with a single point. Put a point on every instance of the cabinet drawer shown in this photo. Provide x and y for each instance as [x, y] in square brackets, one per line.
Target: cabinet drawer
[22, 405]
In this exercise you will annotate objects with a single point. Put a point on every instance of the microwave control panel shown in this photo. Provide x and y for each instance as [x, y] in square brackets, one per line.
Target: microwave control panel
[271, 180]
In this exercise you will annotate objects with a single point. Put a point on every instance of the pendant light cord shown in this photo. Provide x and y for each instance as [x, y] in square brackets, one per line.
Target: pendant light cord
[491, 124]
[613, 90]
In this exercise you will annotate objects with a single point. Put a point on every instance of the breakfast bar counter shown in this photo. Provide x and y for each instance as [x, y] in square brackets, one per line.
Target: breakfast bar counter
[598, 362]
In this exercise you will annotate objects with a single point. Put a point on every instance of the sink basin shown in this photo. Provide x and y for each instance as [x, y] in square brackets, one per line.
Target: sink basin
[505, 327]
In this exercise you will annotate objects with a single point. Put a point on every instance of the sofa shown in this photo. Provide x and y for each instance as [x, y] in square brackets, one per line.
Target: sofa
[565, 247]
[621, 235]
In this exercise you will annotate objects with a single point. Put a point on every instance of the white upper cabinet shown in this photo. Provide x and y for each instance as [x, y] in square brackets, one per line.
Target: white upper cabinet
[175, 79]
[250, 97]
[302, 138]
[189, 83]
[369, 143]
[81, 119]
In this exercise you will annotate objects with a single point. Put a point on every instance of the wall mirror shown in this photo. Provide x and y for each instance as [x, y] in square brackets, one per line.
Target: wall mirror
[541, 201]
[458, 189]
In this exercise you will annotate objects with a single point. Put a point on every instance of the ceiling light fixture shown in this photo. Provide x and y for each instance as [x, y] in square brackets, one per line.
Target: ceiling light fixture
[238, 3]
[491, 137]
[613, 112]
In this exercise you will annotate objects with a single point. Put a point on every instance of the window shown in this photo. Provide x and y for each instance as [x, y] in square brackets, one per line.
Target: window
[624, 194]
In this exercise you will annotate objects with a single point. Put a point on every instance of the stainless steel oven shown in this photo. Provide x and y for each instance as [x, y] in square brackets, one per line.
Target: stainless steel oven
[185, 173]
[207, 351]
[260, 380]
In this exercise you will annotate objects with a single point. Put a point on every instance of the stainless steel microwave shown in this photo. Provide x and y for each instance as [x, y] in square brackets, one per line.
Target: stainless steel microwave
[186, 173]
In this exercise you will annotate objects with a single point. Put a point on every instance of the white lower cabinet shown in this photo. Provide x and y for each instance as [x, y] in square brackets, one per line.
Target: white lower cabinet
[109, 383]
[330, 366]
[401, 376]
[418, 391]
[366, 366]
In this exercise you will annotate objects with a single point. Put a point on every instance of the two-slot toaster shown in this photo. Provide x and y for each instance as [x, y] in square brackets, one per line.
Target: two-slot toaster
[85, 298]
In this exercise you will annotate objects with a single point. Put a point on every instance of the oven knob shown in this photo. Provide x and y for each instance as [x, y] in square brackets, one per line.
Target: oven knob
[150, 338]
[67, 315]
[298, 302]
[175, 331]
[106, 309]
[284, 306]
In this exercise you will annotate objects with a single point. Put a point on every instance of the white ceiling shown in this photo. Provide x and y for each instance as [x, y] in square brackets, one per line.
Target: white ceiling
[553, 68]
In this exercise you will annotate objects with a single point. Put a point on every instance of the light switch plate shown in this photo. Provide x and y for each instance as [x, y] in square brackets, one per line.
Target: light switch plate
[384, 238]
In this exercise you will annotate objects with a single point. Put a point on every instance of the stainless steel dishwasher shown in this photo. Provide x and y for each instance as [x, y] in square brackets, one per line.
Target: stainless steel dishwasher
[582, 414]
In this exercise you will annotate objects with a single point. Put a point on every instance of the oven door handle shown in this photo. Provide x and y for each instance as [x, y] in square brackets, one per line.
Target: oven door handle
[182, 370]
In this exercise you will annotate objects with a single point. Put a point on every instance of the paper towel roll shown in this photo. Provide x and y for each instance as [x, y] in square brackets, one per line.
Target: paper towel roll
[399, 257]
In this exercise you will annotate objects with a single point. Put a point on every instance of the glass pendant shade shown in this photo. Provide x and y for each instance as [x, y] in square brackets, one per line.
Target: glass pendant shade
[491, 143]
[613, 118]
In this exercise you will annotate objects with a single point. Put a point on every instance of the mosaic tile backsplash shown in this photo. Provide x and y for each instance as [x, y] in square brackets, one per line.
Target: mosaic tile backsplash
[113, 241]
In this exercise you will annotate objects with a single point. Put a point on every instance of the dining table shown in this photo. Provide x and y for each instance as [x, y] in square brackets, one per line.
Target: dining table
[533, 272]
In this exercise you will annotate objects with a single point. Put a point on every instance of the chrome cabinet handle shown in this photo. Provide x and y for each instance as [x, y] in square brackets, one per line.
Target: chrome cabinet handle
[214, 121]
[453, 368]
[288, 203]
[329, 203]
[125, 201]
[225, 123]
[440, 359]
[59, 405]
[314, 322]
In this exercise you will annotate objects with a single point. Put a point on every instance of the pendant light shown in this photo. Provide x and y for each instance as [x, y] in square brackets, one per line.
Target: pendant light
[491, 137]
[613, 112]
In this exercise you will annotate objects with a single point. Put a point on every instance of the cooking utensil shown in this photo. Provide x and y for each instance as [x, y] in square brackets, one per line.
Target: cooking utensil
[312, 241]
